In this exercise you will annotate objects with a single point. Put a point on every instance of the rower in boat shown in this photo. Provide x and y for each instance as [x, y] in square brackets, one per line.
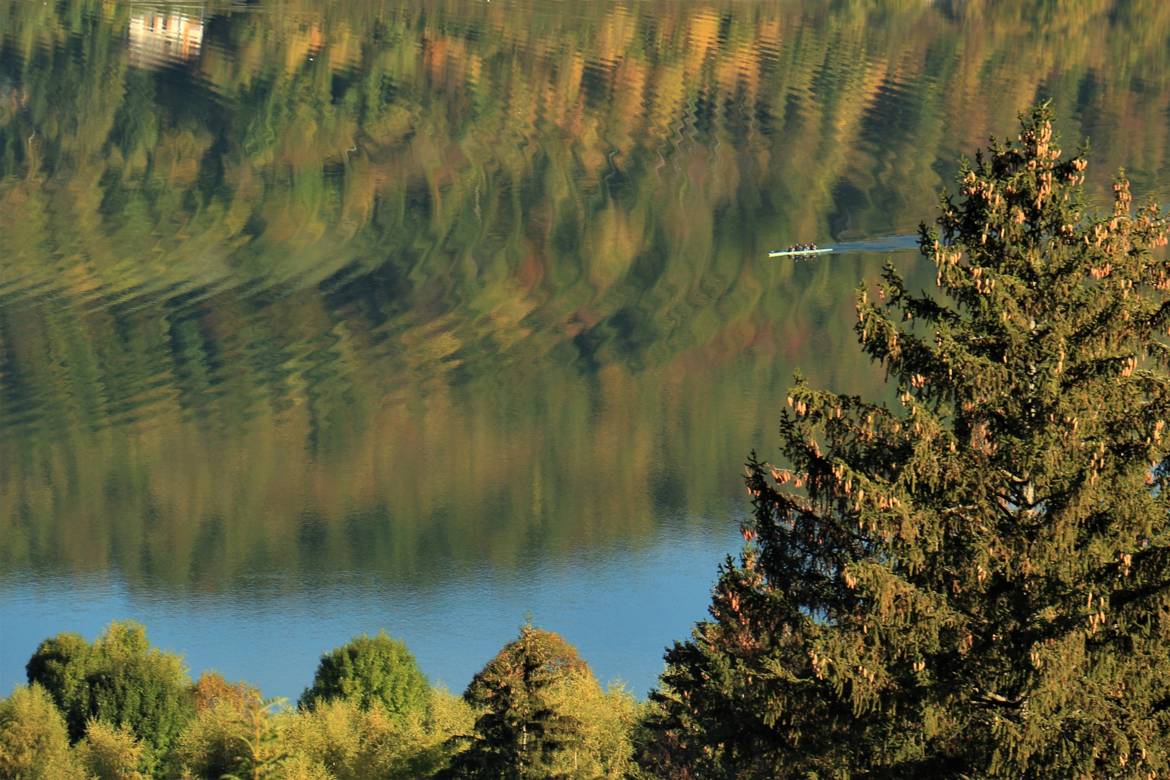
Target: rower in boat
[801, 250]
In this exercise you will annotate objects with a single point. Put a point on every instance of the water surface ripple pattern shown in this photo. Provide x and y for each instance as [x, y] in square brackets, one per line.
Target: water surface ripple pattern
[376, 314]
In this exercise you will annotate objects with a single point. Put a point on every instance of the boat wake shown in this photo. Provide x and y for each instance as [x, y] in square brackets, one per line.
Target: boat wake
[884, 244]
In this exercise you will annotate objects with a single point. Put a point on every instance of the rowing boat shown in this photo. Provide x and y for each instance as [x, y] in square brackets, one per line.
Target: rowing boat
[800, 252]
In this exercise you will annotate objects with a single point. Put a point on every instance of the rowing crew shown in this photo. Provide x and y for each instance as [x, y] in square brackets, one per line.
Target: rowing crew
[803, 248]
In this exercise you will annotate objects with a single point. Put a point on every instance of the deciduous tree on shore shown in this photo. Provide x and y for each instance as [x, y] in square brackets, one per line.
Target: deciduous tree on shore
[119, 680]
[371, 671]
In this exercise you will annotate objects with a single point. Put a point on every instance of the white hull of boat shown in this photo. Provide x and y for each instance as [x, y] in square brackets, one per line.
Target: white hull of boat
[801, 252]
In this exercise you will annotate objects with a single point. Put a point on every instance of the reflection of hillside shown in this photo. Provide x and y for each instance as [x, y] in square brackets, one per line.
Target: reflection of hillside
[301, 444]
[350, 229]
[159, 37]
[528, 137]
[435, 478]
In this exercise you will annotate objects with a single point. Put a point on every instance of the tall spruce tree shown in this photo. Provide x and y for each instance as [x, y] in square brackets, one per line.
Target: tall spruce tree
[976, 584]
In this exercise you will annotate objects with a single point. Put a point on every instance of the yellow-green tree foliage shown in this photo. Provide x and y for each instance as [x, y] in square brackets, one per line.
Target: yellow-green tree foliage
[111, 753]
[606, 718]
[533, 682]
[977, 585]
[34, 744]
[351, 742]
[233, 738]
[336, 740]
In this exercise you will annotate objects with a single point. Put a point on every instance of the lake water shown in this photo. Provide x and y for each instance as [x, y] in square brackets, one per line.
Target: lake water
[318, 318]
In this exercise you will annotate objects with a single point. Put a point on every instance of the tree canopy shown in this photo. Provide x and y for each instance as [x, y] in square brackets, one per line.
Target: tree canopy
[34, 743]
[120, 680]
[976, 584]
[534, 711]
[522, 729]
[371, 671]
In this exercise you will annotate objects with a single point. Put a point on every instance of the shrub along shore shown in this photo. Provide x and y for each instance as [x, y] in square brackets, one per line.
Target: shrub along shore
[118, 708]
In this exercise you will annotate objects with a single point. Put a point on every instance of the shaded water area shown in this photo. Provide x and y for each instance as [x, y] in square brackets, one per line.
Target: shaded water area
[323, 317]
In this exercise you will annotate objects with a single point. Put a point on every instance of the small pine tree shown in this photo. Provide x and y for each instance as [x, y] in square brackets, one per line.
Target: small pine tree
[979, 584]
[521, 729]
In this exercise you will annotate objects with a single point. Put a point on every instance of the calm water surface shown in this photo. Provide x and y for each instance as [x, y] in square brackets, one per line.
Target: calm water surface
[323, 317]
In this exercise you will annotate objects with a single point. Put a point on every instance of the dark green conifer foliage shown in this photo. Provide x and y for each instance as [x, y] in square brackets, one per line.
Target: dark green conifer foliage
[520, 730]
[975, 585]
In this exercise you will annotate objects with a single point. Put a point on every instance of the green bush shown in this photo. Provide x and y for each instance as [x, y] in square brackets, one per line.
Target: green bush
[371, 671]
[541, 713]
[605, 717]
[60, 664]
[119, 680]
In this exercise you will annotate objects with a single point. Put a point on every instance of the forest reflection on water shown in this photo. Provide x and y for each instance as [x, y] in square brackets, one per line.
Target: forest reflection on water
[311, 308]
